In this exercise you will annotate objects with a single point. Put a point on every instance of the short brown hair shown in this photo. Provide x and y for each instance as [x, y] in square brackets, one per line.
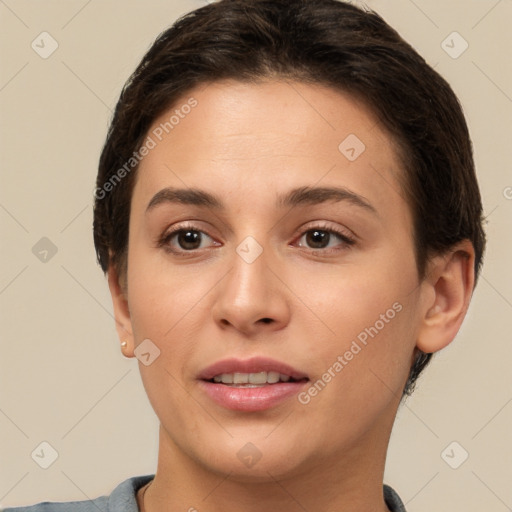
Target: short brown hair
[325, 42]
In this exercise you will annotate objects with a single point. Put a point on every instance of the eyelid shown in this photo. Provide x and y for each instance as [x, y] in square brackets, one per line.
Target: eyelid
[163, 240]
[343, 232]
[346, 235]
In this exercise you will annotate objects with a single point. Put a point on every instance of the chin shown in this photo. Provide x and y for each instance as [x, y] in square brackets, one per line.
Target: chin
[255, 459]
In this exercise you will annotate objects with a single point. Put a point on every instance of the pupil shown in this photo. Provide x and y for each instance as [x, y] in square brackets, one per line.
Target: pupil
[318, 239]
[189, 239]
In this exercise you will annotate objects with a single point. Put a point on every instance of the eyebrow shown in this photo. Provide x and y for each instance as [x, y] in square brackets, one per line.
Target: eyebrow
[296, 197]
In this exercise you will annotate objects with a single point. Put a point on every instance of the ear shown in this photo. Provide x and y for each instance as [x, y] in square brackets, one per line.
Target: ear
[450, 281]
[121, 311]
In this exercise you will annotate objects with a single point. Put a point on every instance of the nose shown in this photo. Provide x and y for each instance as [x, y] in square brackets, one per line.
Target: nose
[251, 298]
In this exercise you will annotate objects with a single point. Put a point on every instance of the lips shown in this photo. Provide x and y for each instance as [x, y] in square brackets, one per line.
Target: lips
[228, 383]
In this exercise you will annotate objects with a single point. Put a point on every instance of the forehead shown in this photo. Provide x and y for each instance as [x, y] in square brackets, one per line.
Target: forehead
[268, 136]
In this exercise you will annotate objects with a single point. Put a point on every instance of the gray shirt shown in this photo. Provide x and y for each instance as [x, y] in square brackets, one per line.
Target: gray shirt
[123, 499]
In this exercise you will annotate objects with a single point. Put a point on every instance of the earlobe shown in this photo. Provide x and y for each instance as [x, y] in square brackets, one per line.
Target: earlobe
[121, 312]
[451, 278]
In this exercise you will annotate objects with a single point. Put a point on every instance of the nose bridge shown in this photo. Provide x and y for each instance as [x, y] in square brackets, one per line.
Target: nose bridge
[251, 292]
[249, 280]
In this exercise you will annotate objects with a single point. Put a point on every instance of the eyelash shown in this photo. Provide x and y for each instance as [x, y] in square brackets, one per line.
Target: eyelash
[164, 241]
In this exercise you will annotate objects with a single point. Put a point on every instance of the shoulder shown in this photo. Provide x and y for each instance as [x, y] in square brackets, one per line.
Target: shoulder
[68, 506]
[122, 499]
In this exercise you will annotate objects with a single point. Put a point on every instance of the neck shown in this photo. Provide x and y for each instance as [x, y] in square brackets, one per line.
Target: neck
[345, 481]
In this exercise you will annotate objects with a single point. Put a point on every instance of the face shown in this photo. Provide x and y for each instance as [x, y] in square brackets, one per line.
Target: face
[290, 254]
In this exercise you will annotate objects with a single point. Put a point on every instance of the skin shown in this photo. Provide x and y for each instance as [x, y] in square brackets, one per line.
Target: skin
[247, 144]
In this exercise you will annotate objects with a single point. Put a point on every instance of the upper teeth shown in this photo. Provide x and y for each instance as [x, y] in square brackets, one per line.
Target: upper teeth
[251, 378]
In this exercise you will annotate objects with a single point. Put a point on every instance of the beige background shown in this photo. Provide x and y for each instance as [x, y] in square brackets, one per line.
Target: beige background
[63, 378]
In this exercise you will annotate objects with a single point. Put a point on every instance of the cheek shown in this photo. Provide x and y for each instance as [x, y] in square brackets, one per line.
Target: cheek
[359, 373]
[161, 306]
[343, 301]
[363, 336]
[162, 296]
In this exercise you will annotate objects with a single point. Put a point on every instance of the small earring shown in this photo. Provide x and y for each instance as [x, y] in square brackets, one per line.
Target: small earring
[124, 344]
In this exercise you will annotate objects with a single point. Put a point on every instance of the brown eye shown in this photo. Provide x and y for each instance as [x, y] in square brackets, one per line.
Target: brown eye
[324, 239]
[185, 239]
[189, 239]
[317, 239]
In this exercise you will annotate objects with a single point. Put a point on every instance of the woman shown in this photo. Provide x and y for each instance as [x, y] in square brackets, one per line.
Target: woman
[288, 215]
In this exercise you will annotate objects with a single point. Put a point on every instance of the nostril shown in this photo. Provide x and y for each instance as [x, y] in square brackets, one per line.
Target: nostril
[266, 320]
